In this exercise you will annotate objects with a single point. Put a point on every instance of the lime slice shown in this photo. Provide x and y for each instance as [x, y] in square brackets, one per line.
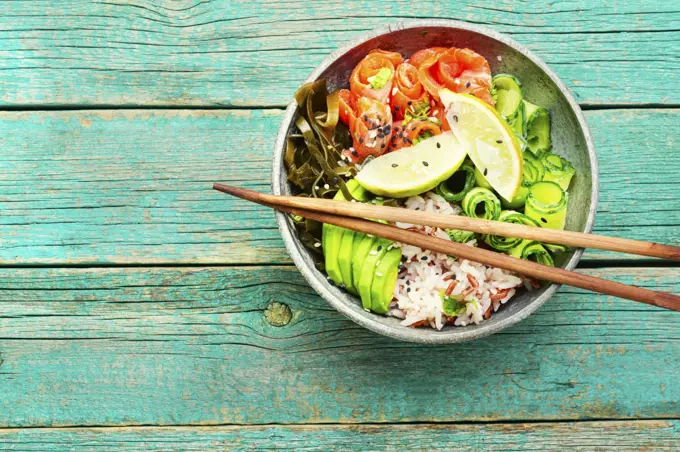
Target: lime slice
[487, 139]
[413, 170]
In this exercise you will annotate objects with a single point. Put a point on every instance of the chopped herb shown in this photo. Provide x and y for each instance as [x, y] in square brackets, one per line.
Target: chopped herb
[379, 80]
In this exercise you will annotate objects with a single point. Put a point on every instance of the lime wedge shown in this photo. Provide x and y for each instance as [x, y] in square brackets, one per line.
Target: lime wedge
[413, 170]
[487, 139]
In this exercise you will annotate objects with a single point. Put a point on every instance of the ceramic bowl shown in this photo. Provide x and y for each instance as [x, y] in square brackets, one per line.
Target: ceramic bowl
[570, 136]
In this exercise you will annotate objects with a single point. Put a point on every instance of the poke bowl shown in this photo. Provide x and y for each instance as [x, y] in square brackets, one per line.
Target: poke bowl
[441, 116]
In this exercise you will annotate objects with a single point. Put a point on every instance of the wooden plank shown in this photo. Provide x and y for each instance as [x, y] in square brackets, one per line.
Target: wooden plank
[173, 346]
[256, 53]
[584, 436]
[134, 186]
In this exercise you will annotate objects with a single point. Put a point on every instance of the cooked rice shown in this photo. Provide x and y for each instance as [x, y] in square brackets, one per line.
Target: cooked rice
[425, 274]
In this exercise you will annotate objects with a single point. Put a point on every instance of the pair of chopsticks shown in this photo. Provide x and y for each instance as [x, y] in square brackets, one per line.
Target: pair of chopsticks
[351, 216]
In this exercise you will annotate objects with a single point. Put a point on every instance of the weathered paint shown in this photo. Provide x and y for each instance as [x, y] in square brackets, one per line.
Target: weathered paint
[160, 346]
[256, 53]
[135, 186]
[662, 435]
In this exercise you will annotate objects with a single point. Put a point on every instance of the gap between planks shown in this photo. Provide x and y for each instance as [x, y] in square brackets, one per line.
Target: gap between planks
[590, 420]
[86, 107]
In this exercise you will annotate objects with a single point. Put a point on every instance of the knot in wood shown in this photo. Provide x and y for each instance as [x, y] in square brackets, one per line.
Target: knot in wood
[278, 314]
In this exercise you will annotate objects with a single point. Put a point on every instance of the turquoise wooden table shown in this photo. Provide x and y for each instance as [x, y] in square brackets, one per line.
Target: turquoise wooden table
[141, 310]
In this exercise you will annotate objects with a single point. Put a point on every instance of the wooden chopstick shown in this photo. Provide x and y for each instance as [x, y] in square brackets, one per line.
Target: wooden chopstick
[524, 267]
[359, 210]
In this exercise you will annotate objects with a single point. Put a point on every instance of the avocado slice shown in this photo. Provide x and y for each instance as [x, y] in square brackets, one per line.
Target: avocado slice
[384, 281]
[332, 239]
[367, 273]
[359, 256]
[345, 259]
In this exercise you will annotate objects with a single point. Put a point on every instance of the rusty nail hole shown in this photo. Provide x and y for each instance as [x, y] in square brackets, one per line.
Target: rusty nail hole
[278, 314]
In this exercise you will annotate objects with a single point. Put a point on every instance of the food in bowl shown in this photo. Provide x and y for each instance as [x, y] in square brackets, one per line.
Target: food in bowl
[438, 132]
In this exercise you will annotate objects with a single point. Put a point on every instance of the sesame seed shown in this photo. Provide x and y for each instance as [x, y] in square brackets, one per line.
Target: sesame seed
[499, 141]
[467, 85]
[382, 146]
[394, 165]
[408, 289]
[366, 118]
[425, 163]
[316, 187]
[544, 220]
[355, 153]
[377, 263]
[326, 186]
[361, 140]
[424, 258]
[410, 102]
[438, 145]
[486, 171]
[381, 135]
[373, 253]
[396, 108]
[317, 245]
[455, 118]
[379, 247]
[378, 274]
[408, 282]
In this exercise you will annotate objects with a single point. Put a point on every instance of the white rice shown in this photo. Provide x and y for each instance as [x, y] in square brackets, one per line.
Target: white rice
[425, 274]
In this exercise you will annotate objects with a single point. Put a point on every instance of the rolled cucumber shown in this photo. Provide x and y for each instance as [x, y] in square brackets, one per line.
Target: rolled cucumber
[481, 203]
[460, 236]
[507, 94]
[538, 128]
[534, 251]
[457, 186]
[547, 204]
[501, 243]
[557, 169]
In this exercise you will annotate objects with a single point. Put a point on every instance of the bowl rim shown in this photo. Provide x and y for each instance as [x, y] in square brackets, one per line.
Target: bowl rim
[322, 286]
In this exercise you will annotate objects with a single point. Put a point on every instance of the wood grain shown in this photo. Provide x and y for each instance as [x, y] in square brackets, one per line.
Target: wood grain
[135, 186]
[256, 53]
[169, 346]
[662, 435]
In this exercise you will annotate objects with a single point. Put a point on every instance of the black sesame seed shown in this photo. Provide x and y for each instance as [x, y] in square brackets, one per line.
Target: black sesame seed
[424, 258]
[361, 140]
[382, 146]
[403, 259]
[408, 289]
[342, 286]
[413, 128]
[467, 85]
[408, 283]
[381, 135]
[425, 163]
[410, 141]
[394, 165]
[405, 139]
[396, 129]
[410, 102]
[355, 153]
[438, 145]
[379, 248]
[396, 108]
[544, 220]
[455, 118]
[499, 141]
[366, 118]
[486, 171]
